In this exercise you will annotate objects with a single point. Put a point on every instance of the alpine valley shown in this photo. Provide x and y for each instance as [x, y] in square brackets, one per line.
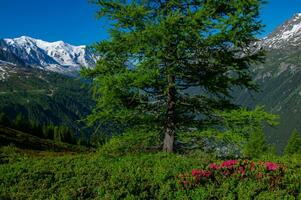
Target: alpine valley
[40, 86]
[40, 80]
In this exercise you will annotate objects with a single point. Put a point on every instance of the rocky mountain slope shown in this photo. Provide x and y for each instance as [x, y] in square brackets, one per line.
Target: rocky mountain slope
[286, 35]
[280, 79]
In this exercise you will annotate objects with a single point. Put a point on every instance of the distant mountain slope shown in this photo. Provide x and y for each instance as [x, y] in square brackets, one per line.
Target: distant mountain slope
[43, 97]
[286, 35]
[57, 56]
[7, 56]
[280, 79]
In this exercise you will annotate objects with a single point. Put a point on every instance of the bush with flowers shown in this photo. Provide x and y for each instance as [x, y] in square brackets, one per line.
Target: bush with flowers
[147, 176]
[215, 173]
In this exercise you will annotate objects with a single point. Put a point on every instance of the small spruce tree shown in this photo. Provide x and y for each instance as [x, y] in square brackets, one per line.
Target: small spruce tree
[19, 122]
[294, 144]
[4, 120]
[57, 134]
[256, 145]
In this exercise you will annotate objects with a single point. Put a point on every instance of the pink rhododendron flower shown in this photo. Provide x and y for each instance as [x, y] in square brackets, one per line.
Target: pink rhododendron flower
[201, 173]
[241, 170]
[229, 163]
[206, 174]
[213, 166]
[271, 166]
[231, 168]
[196, 172]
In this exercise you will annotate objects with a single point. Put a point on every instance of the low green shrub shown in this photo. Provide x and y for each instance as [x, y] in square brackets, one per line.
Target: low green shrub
[133, 176]
[132, 141]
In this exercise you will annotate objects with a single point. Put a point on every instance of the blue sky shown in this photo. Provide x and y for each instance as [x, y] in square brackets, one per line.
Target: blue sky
[74, 21]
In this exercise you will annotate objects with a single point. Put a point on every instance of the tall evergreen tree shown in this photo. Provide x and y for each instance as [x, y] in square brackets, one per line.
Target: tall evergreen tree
[169, 64]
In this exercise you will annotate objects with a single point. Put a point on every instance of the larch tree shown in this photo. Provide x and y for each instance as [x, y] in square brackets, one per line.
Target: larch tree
[169, 64]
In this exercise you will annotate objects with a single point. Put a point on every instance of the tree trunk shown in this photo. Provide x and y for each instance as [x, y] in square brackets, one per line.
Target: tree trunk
[170, 129]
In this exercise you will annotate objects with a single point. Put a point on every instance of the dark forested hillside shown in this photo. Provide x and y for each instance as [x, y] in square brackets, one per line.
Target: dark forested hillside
[43, 98]
[280, 93]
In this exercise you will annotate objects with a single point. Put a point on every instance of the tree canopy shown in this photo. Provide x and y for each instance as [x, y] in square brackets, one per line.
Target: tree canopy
[169, 64]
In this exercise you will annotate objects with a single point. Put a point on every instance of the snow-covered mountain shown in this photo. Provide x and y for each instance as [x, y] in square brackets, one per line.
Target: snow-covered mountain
[283, 47]
[57, 56]
[288, 34]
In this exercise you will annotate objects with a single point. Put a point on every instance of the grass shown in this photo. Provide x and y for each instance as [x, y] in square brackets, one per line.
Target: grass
[130, 176]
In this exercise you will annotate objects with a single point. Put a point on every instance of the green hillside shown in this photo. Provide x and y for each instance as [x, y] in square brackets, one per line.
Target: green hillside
[280, 92]
[44, 98]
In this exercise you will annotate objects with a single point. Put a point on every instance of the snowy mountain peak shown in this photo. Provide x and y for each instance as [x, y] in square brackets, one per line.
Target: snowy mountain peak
[26, 40]
[54, 56]
[287, 34]
[21, 39]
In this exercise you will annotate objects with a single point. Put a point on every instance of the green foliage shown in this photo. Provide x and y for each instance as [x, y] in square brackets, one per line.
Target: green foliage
[249, 125]
[4, 119]
[240, 128]
[98, 138]
[133, 141]
[19, 121]
[59, 134]
[159, 50]
[257, 146]
[30, 142]
[48, 131]
[56, 133]
[82, 140]
[135, 176]
[244, 122]
[294, 144]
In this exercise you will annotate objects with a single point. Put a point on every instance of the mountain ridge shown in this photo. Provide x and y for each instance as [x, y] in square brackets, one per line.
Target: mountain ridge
[286, 34]
[56, 56]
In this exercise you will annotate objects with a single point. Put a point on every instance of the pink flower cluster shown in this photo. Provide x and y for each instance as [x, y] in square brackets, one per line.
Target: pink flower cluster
[201, 173]
[230, 168]
[229, 164]
[270, 166]
[226, 164]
